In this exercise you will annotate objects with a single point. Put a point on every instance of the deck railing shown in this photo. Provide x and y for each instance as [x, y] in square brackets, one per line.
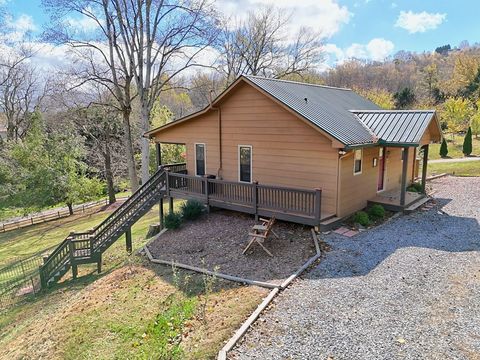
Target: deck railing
[291, 204]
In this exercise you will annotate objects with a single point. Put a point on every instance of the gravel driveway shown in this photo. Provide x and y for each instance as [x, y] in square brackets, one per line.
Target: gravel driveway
[409, 289]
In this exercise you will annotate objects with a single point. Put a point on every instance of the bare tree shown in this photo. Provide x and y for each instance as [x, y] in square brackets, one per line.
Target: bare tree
[100, 58]
[19, 94]
[162, 39]
[262, 45]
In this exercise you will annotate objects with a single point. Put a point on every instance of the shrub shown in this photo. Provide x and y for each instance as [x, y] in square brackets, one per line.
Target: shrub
[415, 187]
[192, 209]
[376, 212]
[173, 220]
[361, 217]
[444, 149]
[467, 143]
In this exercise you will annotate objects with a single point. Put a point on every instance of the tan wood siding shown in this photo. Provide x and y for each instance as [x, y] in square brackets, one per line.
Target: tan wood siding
[285, 150]
[203, 129]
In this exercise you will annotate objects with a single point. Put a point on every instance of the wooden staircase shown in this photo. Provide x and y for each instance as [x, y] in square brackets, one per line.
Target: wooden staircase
[88, 247]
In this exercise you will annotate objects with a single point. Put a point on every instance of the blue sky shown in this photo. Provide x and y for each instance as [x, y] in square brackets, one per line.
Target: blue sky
[371, 29]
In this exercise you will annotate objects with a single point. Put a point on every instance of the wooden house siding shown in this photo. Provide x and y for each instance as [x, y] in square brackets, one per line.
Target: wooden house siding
[203, 129]
[285, 150]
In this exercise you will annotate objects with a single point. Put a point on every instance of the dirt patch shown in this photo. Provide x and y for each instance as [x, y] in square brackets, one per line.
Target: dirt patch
[216, 242]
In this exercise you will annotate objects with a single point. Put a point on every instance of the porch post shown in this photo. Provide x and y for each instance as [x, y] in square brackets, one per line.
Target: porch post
[403, 189]
[424, 167]
[158, 147]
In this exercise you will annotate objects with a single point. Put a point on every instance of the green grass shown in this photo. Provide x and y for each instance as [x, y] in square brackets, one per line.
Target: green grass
[454, 148]
[466, 168]
[132, 310]
[35, 239]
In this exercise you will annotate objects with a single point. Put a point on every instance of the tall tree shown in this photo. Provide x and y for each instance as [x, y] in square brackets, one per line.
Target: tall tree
[457, 113]
[404, 98]
[264, 45]
[99, 57]
[162, 39]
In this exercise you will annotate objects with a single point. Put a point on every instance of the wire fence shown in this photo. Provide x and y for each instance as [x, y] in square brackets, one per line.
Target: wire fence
[51, 215]
[20, 281]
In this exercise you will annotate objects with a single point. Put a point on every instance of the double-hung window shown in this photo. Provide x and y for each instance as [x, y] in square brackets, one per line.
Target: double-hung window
[357, 161]
[245, 163]
[200, 159]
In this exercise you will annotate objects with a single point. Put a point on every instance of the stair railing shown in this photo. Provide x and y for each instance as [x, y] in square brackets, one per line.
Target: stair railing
[86, 244]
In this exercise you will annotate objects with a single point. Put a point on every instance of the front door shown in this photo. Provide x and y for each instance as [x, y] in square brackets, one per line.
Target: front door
[381, 169]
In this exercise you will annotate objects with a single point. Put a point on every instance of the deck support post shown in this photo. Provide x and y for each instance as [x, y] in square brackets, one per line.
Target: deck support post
[403, 189]
[170, 205]
[207, 194]
[158, 148]
[160, 212]
[99, 263]
[128, 240]
[424, 167]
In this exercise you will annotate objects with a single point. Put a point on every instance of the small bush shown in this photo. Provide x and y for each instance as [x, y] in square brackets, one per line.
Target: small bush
[192, 209]
[467, 143]
[361, 217]
[173, 220]
[444, 149]
[376, 212]
[415, 187]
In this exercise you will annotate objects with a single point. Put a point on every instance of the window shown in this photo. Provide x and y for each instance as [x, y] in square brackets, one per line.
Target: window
[357, 162]
[245, 163]
[199, 159]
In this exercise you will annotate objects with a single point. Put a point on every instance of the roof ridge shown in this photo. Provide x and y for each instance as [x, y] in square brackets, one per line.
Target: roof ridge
[297, 82]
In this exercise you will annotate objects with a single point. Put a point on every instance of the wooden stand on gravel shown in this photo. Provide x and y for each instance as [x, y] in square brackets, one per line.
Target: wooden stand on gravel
[260, 233]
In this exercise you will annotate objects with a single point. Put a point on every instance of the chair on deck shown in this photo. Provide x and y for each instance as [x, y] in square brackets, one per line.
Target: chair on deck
[260, 233]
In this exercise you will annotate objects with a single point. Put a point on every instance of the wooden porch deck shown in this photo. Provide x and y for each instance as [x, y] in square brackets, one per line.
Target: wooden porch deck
[301, 206]
[390, 200]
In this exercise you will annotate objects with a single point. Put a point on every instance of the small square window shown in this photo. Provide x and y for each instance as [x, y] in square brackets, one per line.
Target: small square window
[357, 162]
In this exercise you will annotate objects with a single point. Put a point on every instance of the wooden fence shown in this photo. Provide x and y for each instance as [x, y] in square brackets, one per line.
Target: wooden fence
[50, 216]
[291, 204]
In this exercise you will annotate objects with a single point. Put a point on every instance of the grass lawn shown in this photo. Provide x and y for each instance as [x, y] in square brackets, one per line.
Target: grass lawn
[132, 310]
[468, 168]
[36, 239]
[454, 149]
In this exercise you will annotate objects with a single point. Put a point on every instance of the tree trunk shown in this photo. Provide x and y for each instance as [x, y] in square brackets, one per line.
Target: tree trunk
[109, 173]
[127, 140]
[145, 143]
[70, 208]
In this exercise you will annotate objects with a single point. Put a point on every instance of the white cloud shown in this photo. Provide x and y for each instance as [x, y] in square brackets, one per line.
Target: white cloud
[376, 49]
[419, 22]
[83, 24]
[324, 16]
[17, 29]
[379, 48]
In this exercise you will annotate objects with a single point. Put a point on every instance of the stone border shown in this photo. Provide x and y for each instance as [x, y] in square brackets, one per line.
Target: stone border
[222, 354]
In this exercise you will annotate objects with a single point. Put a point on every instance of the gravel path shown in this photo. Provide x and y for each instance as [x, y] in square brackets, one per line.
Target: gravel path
[464, 159]
[409, 289]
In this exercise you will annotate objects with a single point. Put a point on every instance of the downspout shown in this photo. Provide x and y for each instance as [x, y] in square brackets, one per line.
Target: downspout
[342, 153]
[219, 111]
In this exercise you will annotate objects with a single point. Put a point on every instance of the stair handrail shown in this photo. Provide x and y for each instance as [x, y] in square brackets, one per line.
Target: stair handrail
[47, 270]
[125, 208]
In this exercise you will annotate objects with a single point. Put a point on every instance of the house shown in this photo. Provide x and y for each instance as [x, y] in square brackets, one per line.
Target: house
[306, 136]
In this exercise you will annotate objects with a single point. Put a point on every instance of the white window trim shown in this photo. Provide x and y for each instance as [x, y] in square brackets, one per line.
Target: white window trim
[204, 156]
[361, 162]
[251, 163]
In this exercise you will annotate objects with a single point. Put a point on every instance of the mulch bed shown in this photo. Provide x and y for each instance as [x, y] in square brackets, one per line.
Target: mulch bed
[216, 241]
